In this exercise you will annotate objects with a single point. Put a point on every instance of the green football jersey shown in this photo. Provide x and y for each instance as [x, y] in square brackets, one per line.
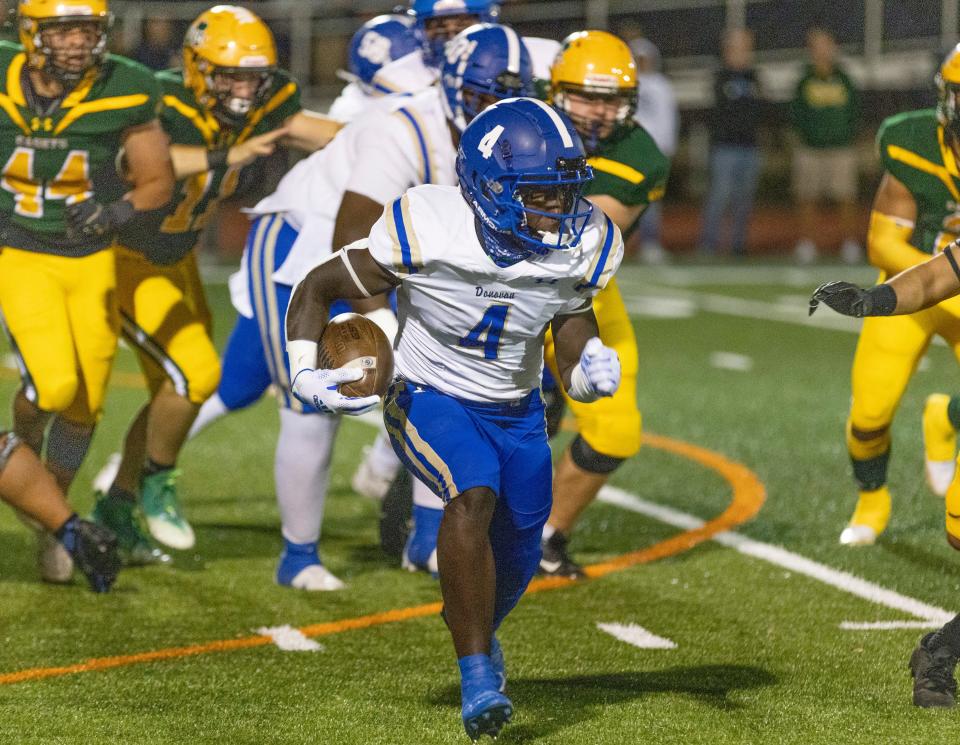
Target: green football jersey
[630, 168]
[51, 157]
[169, 234]
[913, 150]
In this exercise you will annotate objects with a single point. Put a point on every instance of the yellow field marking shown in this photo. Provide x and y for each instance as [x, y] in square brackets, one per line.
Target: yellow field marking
[749, 495]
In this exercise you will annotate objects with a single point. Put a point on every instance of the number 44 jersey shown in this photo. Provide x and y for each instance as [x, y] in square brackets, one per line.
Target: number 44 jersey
[468, 327]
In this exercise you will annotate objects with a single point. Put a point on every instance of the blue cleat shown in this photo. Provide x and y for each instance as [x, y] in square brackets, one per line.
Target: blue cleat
[420, 552]
[485, 710]
[300, 568]
[497, 663]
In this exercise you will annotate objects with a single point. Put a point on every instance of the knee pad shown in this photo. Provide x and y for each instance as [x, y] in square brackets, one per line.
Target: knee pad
[8, 443]
[588, 459]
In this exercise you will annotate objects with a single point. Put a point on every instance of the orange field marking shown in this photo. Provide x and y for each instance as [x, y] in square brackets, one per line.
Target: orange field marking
[749, 495]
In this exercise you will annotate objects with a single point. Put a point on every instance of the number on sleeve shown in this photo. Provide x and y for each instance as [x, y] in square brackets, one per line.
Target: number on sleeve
[485, 146]
[487, 332]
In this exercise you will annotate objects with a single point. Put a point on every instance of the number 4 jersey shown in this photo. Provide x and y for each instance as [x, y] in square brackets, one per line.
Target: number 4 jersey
[468, 327]
[50, 158]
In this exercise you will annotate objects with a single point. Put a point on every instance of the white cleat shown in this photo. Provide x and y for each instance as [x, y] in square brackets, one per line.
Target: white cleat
[939, 475]
[432, 566]
[316, 578]
[858, 535]
[368, 483]
[176, 534]
[105, 476]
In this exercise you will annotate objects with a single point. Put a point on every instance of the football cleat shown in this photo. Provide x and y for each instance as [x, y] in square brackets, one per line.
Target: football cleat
[933, 683]
[161, 507]
[556, 562]
[301, 569]
[939, 443]
[869, 519]
[94, 551]
[498, 664]
[486, 713]
[134, 544]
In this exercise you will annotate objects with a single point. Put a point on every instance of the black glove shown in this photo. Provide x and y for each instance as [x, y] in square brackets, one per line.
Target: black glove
[94, 551]
[850, 300]
[90, 219]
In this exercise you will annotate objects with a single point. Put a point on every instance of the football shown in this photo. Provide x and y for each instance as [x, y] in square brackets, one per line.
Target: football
[352, 340]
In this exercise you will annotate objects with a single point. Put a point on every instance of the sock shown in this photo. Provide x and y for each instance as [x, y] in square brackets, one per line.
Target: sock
[953, 411]
[548, 531]
[476, 675]
[115, 492]
[212, 410]
[381, 458]
[67, 533]
[948, 636]
[151, 467]
[295, 558]
[423, 538]
[302, 472]
[423, 497]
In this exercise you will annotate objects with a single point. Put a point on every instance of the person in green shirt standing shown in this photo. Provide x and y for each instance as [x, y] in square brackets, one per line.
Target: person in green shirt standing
[824, 113]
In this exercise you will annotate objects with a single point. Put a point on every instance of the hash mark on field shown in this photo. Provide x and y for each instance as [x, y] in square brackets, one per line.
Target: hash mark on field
[922, 612]
[636, 635]
[290, 639]
[731, 361]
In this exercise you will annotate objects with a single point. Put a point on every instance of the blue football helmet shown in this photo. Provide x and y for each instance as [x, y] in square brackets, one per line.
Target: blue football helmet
[482, 64]
[517, 156]
[379, 41]
[485, 11]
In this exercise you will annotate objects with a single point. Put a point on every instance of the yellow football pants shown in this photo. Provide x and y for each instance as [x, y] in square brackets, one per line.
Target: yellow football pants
[60, 314]
[165, 317]
[611, 426]
[888, 352]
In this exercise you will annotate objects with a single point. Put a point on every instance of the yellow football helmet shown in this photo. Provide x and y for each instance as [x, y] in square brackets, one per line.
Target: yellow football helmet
[594, 65]
[34, 21]
[948, 88]
[224, 45]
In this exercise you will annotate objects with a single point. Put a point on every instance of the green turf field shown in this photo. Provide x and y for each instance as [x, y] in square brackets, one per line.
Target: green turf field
[728, 363]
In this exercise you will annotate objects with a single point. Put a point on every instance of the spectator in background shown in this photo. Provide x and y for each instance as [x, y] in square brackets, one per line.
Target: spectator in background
[824, 112]
[656, 113]
[734, 154]
[157, 49]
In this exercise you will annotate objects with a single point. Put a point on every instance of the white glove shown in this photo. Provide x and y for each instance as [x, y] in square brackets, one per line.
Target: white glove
[598, 373]
[319, 388]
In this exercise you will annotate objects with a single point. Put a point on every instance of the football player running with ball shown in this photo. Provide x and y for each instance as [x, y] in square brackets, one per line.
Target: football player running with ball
[480, 271]
[227, 108]
[67, 107]
[914, 216]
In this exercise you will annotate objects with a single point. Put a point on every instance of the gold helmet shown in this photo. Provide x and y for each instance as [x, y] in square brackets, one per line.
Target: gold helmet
[34, 21]
[594, 65]
[948, 88]
[223, 45]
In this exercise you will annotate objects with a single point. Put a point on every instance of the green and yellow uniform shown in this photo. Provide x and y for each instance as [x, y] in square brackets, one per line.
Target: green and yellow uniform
[56, 291]
[162, 305]
[630, 168]
[913, 150]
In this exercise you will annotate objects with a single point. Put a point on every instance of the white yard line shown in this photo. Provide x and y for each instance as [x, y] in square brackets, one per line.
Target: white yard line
[928, 615]
[636, 635]
[731, 361]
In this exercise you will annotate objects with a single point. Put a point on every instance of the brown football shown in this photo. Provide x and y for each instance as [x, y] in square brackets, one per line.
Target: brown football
[351, 340]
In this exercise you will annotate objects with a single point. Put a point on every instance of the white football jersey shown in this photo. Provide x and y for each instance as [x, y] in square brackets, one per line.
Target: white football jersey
[401, 142]
[468, 327]
[406, 74]
[353, 101]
